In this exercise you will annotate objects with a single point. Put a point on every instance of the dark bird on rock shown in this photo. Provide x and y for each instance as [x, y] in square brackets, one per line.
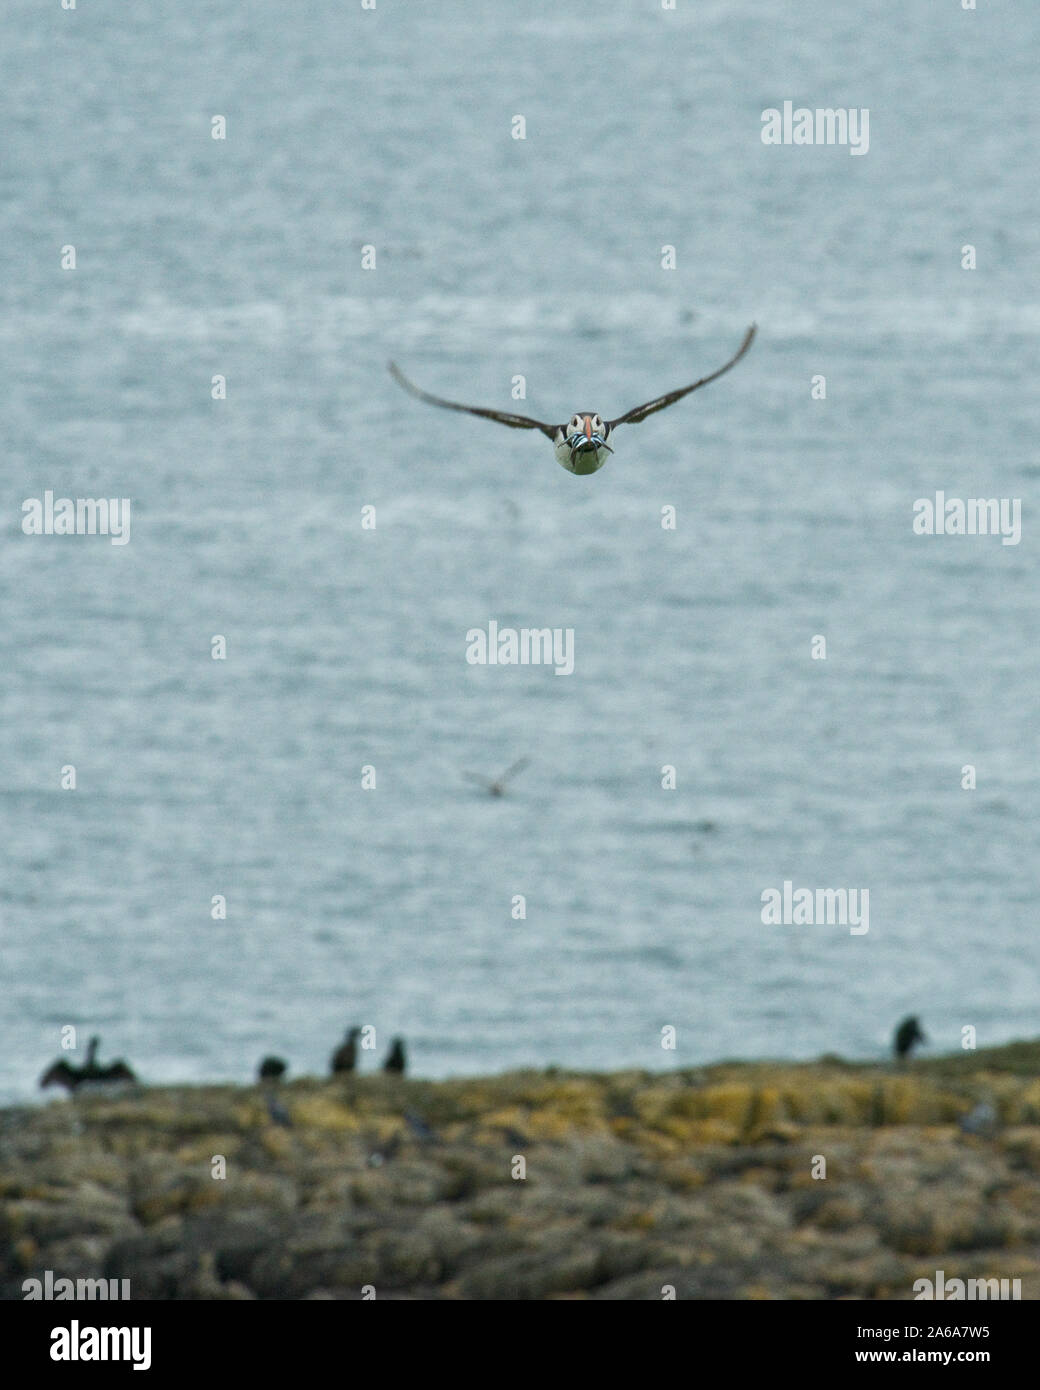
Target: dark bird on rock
[395, 1058]
[272, 1069]
[345, 1056]
[497, 785]
[63, 1073]
[906, 1036]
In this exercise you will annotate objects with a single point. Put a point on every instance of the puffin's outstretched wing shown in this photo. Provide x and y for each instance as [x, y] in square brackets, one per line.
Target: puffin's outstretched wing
[518, 766]
[640, 412]
[516, 422]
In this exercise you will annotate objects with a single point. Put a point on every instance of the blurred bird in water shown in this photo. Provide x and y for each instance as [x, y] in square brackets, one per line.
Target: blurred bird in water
[395, 1059]
[345, 1056]
[497, 787]
[906, 1036]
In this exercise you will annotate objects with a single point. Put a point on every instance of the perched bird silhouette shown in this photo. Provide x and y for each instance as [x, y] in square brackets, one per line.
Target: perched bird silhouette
[345, 1056]
[62, 1073]
[581, 442]
[395, 1058]
[497, 786]
[907, 1035]
[272, 1069]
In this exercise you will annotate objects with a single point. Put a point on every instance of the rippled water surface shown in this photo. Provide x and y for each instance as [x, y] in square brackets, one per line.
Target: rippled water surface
[498, 258]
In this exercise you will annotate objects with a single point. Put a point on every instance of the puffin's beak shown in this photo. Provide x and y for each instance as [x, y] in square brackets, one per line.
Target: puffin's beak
[588, 427]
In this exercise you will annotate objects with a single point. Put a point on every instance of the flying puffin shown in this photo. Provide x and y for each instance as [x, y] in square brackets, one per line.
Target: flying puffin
[582, 443]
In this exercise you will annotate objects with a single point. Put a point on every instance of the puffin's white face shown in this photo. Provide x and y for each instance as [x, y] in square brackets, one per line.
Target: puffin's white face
[581, 445]
[586, 424]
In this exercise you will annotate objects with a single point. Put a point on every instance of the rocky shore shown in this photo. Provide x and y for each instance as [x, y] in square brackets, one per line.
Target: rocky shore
[701, 1180]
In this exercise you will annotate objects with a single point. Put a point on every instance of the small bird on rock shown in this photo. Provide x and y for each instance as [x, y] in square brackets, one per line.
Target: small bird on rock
[395, 1058]
[906, 1036]
[345, 1056]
